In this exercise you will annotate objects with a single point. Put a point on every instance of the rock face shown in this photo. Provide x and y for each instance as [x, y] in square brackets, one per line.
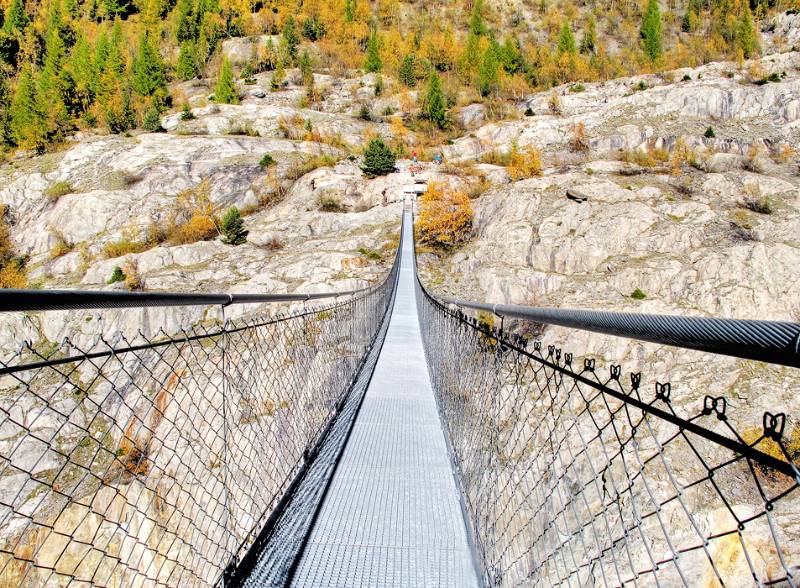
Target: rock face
[618, 115]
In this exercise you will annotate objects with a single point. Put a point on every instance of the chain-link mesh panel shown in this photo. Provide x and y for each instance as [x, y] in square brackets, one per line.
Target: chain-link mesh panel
[156, 461]
[575, 479]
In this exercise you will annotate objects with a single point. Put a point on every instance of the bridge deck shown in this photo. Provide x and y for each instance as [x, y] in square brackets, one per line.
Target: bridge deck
[392, 515]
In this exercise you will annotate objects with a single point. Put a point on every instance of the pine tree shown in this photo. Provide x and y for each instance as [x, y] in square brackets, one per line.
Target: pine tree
[488, 75]
[349, 10]
[290, 39]
[746, 36]
[566, 40]
[16, 19]
[510, 56]
[187, 61]
[408, 71]
[52, 85]
[476, 25]
[306, 66]
[6, 137]
[233, 227]
[434, 108]
[277, 76]
[373, 62]
[187, 25]
[152, 119]
[225, 91]
[379, 159]
[115, 58]
[691, 16]
[118, 8]
[28, 125]
[589, 36]
[149, 78]
[83, 73]
[651, 30]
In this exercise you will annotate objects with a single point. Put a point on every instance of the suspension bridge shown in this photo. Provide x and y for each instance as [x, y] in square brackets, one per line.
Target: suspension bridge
[384, 437]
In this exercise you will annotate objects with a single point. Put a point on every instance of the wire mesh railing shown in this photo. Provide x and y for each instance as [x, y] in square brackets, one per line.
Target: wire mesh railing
[571, 477]
[157, 461]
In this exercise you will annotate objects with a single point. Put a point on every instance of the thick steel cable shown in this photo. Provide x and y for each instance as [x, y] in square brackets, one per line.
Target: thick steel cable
[768, 341]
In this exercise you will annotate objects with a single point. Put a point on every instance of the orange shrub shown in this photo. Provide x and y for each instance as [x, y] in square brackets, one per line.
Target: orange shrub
[524, 164]
[445, 219]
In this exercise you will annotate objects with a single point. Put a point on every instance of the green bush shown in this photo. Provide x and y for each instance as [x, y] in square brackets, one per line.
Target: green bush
[233, 227]
[117, 275]
[267, 160]
[152, 120]
[709, 134]
[379, 159]
[186, 113]
[638, 294]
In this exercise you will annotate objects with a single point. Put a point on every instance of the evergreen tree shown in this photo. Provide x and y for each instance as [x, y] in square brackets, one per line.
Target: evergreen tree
[118, 8]
[225, 91]
[101, 52]
[313, 28]
[691, 17]
[149, 78]
[17, 18]
[651, 30]
[306, 66]
[187, 25]
[187, 61]
[476, 25]
[233, 227]
[115, 58]
[83, 73]
[6, 137]
[379, 159]
[290, 39]
[349, 10]
[746, 36]
[434, 108]
[566, 40]
[589, 37]
[488, 75]
[9, 49]
[152, 119]
[277, 76]
[52, 84]
[373, 62]
[408, 71]
[28, 125]
[510, 56]
[118, 111]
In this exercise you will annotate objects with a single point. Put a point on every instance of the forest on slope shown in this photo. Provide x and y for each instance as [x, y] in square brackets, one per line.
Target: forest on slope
[108, 64]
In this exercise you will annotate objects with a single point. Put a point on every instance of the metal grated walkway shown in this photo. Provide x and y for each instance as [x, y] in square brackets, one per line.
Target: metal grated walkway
[392, 515]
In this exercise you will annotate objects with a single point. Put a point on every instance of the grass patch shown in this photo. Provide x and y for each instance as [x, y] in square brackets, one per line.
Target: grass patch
[57, 190]
[300, 169]
[370, 254]
[328, 203]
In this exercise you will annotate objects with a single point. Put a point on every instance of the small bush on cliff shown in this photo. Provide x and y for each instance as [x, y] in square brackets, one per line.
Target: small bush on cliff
[233, 227]
[379, 159]
[117, 275]
[445, 218]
